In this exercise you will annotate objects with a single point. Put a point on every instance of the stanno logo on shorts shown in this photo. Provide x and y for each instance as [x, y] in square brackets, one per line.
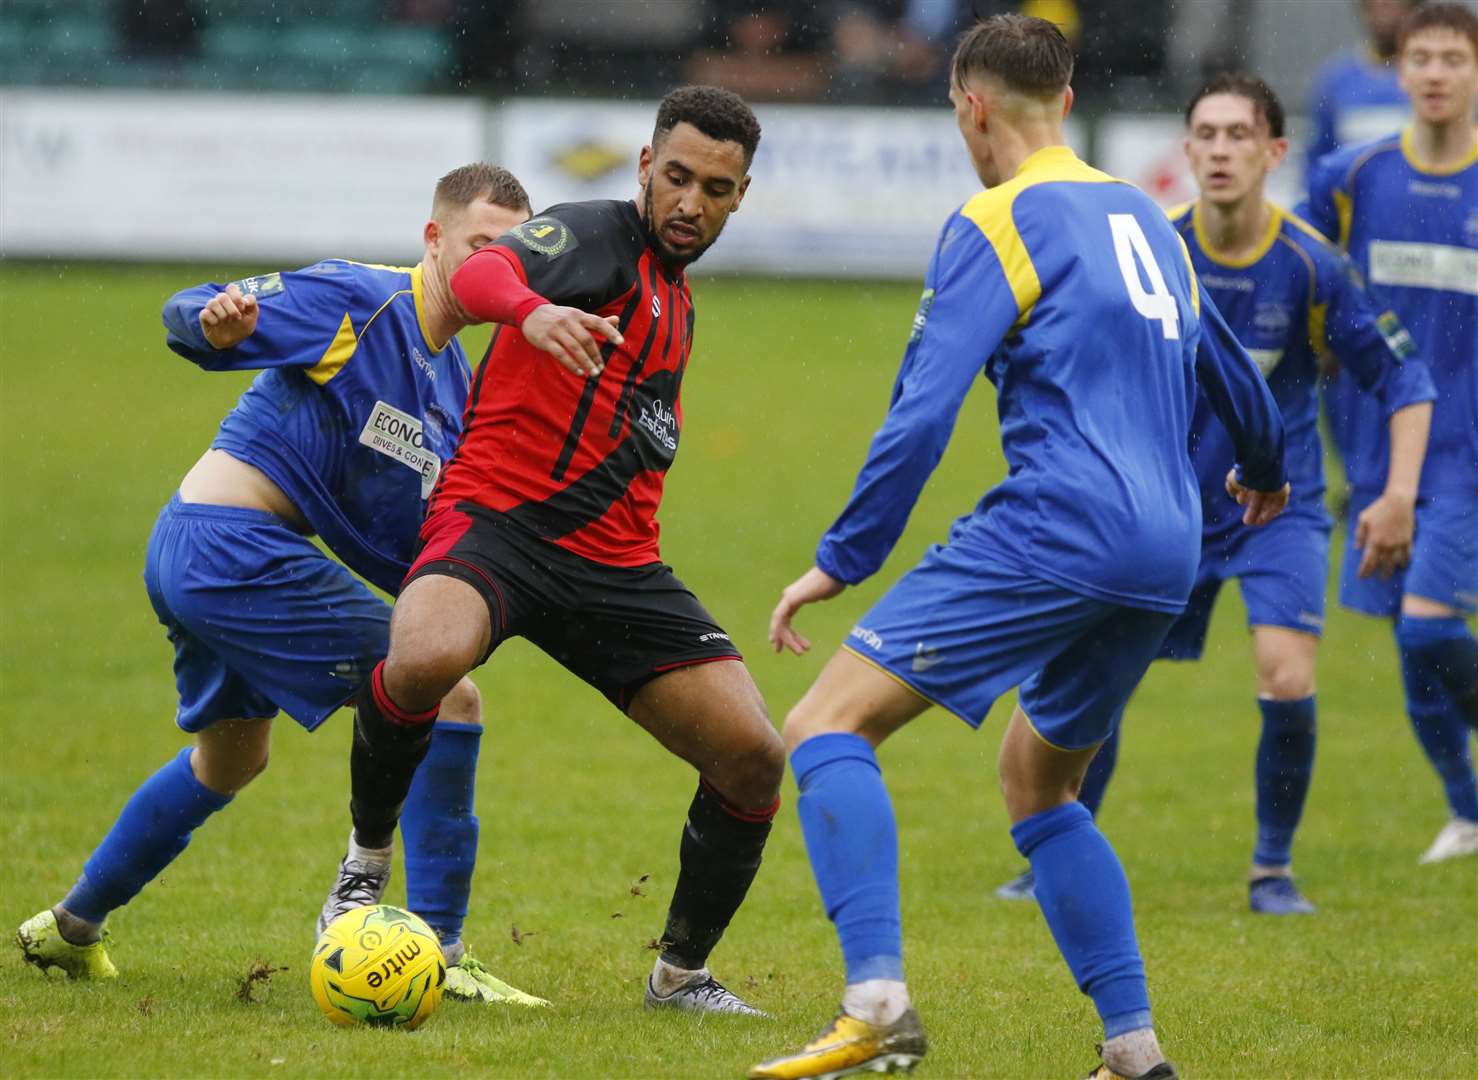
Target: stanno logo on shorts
[867, 637]
[714, 636]
[925, 657]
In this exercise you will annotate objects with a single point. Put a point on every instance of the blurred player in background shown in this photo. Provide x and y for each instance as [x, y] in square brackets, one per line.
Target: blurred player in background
[1289, 297]
[1073, 294]
[1406, 209]
[1356, 95]
[342, 435]
[543, 525]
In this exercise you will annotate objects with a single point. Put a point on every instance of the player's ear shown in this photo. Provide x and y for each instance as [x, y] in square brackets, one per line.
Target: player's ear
[431, 234]
[1277, 151]
[1067, 102]
[739, 194]
[644, 166]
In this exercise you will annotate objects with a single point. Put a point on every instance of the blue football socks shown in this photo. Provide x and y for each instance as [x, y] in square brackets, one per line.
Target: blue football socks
[1084, 896]
[1100, 769]
[1449, 649]
[852, 840]
[1425, 645]
[153, 828]
[1285, 767]
[439, 830]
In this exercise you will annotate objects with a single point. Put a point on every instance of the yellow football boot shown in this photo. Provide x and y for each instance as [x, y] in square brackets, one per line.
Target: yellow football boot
[42, 944]
[848, 1046]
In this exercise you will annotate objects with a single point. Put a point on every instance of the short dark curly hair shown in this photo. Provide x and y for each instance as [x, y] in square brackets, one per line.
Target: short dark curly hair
[720, 114]
[1265, 103]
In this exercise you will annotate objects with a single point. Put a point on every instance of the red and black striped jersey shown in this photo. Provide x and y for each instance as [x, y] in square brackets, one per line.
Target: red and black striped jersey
[580, 461]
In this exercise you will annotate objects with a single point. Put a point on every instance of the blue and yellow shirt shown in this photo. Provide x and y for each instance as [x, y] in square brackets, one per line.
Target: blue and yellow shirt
[356, 408]
[1413, 232]
[1074, 295]
[1289, 301]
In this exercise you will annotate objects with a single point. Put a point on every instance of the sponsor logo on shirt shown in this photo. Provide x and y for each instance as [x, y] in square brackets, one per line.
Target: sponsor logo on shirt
[261, 285]
[398, 435]
[1235, 284]
[1272, 318]
[921, 316]
[867, 637]
[546, 235]
[421, 362]
[661, 422]
[1434, 190]
[925, 657]
[1397, 339]
[1424, 266]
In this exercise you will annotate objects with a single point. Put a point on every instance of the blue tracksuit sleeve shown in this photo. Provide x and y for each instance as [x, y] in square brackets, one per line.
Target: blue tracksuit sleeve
[1240, 397]
[1374, 348]
[966, 310]
[302, 315]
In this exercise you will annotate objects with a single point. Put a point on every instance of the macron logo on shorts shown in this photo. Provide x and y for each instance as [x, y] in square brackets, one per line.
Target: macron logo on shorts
[925, 657]
[867, 637]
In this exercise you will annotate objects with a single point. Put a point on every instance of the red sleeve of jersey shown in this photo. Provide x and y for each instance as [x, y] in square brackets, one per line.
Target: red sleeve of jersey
[491, 287]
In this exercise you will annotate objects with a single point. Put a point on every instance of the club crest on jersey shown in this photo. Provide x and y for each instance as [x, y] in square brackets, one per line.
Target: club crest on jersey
[261, 285]
[398, 435]
[546, 235]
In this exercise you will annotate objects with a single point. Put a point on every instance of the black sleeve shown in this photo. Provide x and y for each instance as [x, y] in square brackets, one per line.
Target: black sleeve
[580, 255]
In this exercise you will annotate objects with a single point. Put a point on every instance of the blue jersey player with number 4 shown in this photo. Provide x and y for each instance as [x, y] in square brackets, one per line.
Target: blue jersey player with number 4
[1406, 210]
[343, 433]
[1074, 295]
[1292, 300]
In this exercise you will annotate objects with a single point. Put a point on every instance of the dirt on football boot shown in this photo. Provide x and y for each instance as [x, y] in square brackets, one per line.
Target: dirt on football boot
[42, 944]
[702, 994]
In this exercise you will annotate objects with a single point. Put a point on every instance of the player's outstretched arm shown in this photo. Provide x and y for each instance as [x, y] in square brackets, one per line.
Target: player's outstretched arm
[489, 289]
[1240, 397]
[815, 584]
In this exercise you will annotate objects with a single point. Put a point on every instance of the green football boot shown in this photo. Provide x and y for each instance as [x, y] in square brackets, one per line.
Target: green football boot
[468, 980]
[42, 944]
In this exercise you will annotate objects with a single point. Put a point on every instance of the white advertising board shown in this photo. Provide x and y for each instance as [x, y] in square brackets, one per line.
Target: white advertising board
[217, 177]
[1148, 150]
[836, 191]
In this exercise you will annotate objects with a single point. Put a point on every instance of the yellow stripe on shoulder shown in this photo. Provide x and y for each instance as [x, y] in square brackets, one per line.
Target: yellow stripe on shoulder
[1303, 226]
[381, 266]
[992, 213]
[1176, 213]
[337, 354]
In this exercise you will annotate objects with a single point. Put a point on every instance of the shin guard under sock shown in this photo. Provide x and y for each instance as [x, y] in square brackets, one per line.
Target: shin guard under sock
[1285, 768]
[438, 830]
[1439, 726]
[153, 828]
[721, 849]
[389, 743]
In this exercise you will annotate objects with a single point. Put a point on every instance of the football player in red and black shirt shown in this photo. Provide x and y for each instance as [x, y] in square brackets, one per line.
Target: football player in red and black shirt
[543, 524]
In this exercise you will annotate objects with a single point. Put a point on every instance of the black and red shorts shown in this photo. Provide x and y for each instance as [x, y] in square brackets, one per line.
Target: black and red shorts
[615, 627]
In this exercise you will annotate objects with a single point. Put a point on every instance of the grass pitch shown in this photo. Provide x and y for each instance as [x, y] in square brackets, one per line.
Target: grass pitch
[581, 812]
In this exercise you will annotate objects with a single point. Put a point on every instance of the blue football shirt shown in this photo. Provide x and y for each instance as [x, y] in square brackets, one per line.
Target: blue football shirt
[1413, 232]
[1074, 295]
[356, 408]
[1290, 300]
[1355, 98]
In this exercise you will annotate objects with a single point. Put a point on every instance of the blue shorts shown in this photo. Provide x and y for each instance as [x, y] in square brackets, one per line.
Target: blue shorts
[1283, 568]
[260, 619]
[961, 629]
[1444, 558]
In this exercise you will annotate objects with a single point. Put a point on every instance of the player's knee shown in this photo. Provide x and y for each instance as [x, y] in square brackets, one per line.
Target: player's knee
[421, 671]
[1287, 678]
[812, 717]
[750, 775]
[463, 703]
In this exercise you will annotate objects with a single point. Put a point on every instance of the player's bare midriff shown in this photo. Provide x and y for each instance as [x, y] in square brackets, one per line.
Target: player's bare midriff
[218, 479]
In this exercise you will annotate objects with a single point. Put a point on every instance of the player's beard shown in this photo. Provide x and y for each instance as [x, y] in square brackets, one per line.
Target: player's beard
[676, 260]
